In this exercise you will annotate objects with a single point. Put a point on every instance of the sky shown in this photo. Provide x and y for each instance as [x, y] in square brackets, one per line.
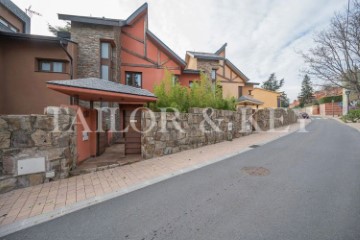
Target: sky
[263, 36]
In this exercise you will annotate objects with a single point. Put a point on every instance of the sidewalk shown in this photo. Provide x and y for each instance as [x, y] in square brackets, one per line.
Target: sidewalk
[353, 125]
[26, 207]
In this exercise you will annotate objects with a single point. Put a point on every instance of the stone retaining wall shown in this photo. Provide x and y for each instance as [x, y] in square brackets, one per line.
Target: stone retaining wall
[30, 136]
[281, 117]
[165, 138]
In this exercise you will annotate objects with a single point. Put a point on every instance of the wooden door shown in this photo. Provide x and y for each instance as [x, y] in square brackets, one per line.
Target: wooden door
[132, 136]
[101, 137]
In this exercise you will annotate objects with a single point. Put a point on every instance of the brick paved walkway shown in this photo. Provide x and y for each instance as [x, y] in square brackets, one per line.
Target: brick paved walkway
[20, 206]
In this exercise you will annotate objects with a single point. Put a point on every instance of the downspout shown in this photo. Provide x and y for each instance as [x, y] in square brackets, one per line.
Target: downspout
[70, 57]
[62, 43]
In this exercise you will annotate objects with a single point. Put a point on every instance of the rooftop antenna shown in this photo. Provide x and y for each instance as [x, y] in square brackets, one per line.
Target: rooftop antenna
[31, 12]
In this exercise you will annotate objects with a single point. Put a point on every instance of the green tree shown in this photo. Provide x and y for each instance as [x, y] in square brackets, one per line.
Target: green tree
[285, 101]
[272, 83]
[307, 91]
[55, 29]
[202, 94]
[171, 95]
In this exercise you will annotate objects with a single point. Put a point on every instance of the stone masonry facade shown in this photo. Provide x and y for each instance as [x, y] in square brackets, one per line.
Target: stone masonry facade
[165, 138]
[88, 37]
[30, 136]
[207, 66]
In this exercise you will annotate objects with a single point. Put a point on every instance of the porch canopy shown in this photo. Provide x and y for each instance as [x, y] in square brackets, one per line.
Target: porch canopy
[95, 89]
[248, 101]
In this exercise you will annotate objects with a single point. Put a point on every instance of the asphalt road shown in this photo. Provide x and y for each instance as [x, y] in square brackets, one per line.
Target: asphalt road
[312, 192]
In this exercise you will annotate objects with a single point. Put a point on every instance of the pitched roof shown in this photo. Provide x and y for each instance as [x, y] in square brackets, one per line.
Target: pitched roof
[18, 13]
[235, 69]
[103, 20]
[205, 56]
[166, 48]
[135, 14]
[93, 20]
[248, 99]
[223, 47]
[102, 85]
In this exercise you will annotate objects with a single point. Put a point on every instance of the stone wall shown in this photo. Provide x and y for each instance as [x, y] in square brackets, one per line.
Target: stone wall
[30, 136]
[157, 142]
[265, 119]
[165, 138]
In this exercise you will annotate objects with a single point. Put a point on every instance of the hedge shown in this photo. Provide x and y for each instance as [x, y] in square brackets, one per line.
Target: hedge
[329, 99]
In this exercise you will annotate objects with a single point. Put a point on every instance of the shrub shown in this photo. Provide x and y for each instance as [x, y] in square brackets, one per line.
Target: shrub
[352, 116]
[202, 94]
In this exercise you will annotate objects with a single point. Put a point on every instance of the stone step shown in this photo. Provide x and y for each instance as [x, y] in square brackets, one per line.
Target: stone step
[118, 149]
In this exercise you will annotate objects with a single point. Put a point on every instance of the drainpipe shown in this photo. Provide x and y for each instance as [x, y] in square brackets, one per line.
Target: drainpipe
[62, 43]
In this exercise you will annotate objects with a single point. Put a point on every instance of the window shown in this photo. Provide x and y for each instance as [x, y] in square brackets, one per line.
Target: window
[174, 79]
[106, 60]
[133, 79]
[240, 91]
[250, 92]
[191, 84]
[7, 24]
[105, 72]
[213, 74]
[55, 66]
[105, 50]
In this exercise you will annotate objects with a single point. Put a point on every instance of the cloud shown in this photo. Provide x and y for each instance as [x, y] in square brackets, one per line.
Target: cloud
[263, 36]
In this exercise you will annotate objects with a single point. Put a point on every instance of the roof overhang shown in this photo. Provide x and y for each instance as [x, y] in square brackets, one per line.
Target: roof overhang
[92, 20]
[32, 37]
[252, 83]
[110, 92]
[192, 71]
[247, 100]
[205, 56]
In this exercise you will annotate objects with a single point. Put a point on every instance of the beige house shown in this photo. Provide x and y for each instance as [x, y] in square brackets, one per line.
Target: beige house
[269, 98]
[219, 69]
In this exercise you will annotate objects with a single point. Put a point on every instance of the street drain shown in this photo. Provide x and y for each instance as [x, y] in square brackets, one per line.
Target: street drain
[254, 146]
[256, 171]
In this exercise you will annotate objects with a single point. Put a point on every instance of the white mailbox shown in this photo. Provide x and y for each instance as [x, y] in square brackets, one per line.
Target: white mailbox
[31, 165]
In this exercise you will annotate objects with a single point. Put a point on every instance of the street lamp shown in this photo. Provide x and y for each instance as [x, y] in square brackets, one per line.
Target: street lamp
[347, 93]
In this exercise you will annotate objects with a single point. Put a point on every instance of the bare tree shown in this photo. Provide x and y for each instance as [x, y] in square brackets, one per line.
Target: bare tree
[336, 57]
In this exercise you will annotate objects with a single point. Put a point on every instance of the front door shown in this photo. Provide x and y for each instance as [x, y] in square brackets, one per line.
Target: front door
[101, 138]
[132, 136]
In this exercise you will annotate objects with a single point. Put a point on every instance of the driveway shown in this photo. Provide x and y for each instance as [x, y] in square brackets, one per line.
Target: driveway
[302, 186]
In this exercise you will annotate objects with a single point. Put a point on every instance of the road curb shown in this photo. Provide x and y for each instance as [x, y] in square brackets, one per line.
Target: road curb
[30, 222]
[340, 121]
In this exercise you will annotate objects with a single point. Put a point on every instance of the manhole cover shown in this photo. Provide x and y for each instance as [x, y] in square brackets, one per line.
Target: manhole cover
[256, 171]
[254, 146]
